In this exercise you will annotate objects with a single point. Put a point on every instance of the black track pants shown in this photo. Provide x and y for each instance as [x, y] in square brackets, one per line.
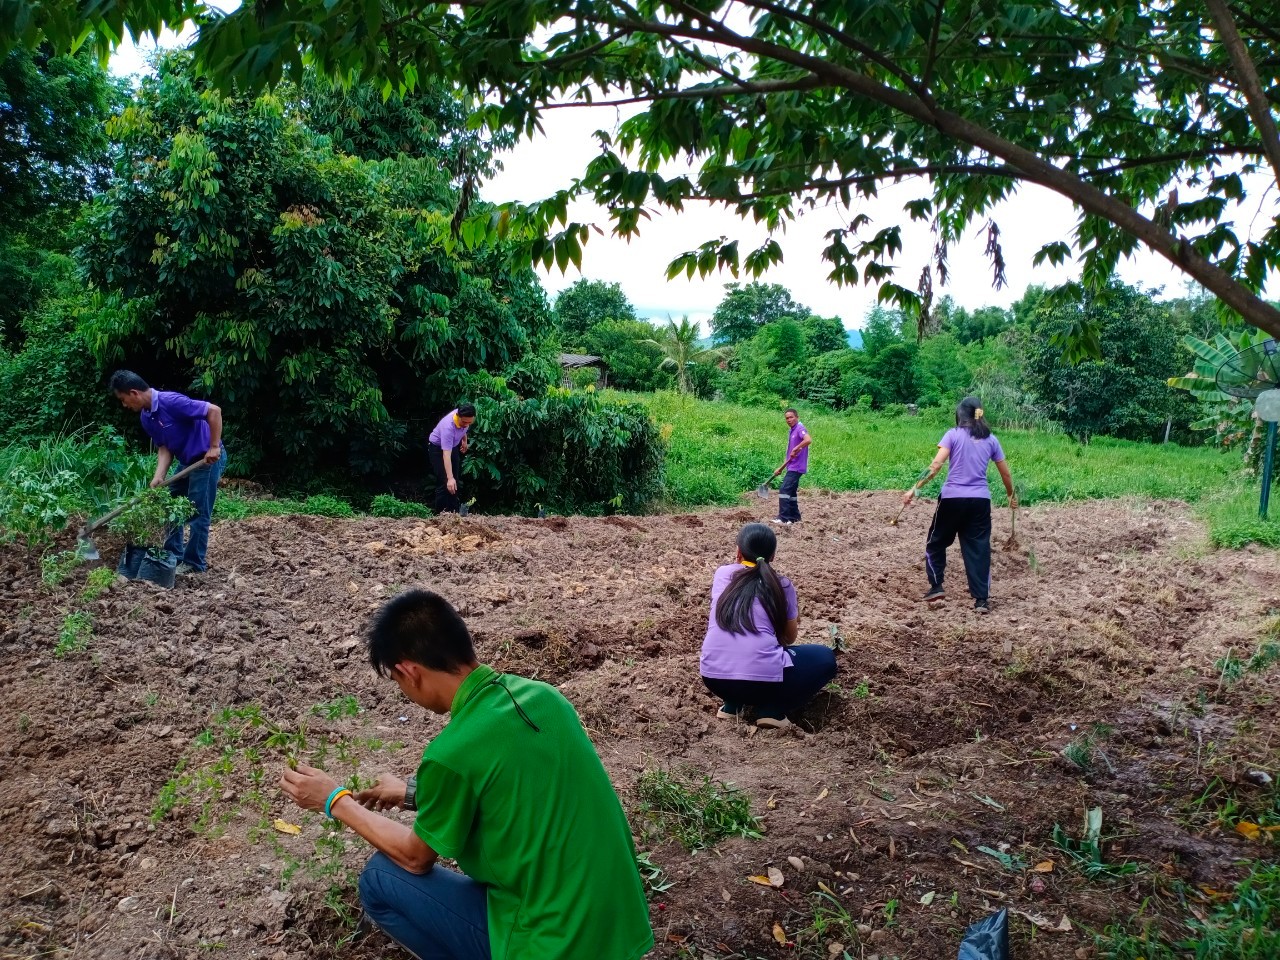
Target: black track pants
[970, 519]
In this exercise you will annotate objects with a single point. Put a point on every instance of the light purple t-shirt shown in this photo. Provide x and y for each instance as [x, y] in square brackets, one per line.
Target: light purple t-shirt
[801, 463]
[446, 435]
[967, 475]
[745, 656]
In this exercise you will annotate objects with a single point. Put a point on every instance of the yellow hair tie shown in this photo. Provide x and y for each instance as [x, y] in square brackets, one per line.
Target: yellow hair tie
[746, 563]
[977, 413]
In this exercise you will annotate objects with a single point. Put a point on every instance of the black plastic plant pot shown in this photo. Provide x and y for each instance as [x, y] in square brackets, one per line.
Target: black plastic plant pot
[130, 560]
[155, 566]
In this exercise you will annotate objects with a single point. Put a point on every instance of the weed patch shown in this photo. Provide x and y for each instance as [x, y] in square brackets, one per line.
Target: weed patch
[77, 629]
[697, 814]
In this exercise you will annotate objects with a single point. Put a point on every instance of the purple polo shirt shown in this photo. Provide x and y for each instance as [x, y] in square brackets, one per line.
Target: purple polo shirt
[967, 475]
[447, 435]
[801, 463]
[745, 656]
[178, 423]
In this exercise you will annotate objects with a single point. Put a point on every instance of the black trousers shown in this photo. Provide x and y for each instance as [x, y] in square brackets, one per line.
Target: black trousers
[788, 501]
[970, 519]
[445, 501]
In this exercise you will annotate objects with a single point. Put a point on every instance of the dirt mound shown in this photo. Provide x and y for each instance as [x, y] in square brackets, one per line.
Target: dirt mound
[139, 803]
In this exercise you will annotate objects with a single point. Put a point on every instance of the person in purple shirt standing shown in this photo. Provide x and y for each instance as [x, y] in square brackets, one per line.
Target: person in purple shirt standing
[797, 465]
[964, 505]
[445, 447]
[750, 658]
[188, 431]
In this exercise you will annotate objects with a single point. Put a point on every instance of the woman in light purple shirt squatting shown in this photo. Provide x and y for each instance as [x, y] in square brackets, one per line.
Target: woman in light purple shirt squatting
[750, 658]
[964, 505]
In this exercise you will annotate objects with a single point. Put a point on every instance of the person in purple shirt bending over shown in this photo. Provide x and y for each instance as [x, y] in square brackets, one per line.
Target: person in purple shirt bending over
[750, 657]
[189, 431]
[445, 447]
[964, 505]
[797, 465]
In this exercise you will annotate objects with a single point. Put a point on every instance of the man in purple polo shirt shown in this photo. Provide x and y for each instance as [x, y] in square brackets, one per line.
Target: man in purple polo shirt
[189, 431]
[797, 464]
[445, 447]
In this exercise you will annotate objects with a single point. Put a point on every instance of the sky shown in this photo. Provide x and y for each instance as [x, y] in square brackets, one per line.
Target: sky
[536, 168]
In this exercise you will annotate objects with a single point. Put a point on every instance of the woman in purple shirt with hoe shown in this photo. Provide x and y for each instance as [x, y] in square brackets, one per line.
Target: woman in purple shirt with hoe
[964, 505]
[750, 657]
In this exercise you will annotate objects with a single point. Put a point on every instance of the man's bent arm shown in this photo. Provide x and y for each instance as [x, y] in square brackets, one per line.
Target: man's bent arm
[214, 416]
[164, 460]
[395, 839]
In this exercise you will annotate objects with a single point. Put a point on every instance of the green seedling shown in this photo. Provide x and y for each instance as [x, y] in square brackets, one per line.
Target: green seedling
[77, 629]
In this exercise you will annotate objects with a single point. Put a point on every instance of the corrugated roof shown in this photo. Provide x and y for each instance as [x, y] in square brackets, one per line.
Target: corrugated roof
[578, 360]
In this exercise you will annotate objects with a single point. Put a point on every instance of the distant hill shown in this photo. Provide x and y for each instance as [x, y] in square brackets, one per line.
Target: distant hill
[855, 338]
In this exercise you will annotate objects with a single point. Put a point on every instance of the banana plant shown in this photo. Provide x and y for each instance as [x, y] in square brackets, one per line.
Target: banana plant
[1230, 418]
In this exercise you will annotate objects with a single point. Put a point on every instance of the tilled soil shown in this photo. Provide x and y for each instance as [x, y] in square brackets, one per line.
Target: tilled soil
[137, 777]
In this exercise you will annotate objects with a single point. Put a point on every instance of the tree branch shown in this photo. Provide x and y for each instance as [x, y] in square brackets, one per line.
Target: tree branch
[982, 169]
[741, 88]
[1259, 108]
[1085, 195]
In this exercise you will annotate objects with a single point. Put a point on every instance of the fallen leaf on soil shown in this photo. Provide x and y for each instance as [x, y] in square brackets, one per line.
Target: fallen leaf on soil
[677, 937]
[1062, 926]
[1044, 866]
[822, 886]
[776, 879]
[763, 881]
[1251, 831]
[779, 934]
[771, 803]
[928, 898]
[822, 795]
[284, 826]
[835, 949]
[796, 862]
[959, 846]
[724, 895]
[893, 850]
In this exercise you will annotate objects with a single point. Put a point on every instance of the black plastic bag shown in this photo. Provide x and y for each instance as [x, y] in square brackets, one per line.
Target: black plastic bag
[988, 939]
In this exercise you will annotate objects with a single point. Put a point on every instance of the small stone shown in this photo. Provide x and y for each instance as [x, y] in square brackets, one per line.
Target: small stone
[796, 862]
[879, 936]
[129, 904]
[864, 929]
[147, 863]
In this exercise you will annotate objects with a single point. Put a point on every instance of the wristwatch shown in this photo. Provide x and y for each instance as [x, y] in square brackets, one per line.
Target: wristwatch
[411, 794]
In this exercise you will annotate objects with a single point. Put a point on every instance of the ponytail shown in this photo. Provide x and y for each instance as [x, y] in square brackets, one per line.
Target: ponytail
[969, 415]
[757, 580]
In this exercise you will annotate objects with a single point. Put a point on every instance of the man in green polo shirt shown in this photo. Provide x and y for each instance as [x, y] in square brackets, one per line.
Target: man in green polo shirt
[511, 789]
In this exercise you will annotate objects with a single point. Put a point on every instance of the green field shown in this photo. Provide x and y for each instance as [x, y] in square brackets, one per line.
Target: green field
[718, 451]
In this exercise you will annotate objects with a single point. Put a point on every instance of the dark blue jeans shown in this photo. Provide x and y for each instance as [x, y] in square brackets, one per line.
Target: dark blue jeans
[813, 666]
[201, 488]
[438, 915]
[788, 502]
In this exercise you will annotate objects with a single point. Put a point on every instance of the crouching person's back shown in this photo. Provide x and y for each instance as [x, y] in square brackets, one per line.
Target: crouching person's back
[512, 789]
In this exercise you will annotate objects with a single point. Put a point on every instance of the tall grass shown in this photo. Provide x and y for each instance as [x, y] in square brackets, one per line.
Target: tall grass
[720, 450]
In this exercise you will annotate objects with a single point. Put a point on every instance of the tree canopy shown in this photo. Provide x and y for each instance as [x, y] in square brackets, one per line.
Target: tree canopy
[1144, 115]
[587, 303]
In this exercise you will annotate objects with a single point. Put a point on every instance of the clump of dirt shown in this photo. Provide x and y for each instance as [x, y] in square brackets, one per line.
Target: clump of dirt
[139, 799]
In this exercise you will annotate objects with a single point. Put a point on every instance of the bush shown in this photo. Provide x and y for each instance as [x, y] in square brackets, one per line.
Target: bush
[323, 505]
[34, 509]
[570, 451]
[385, 505]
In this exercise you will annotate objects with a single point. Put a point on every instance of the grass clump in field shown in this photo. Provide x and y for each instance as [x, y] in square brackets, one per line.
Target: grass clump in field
[697, 814]
[1245, 927]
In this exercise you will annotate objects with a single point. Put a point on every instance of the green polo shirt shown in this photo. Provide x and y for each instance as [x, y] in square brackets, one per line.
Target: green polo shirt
[513, 790]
